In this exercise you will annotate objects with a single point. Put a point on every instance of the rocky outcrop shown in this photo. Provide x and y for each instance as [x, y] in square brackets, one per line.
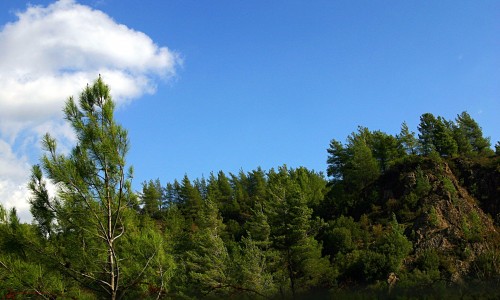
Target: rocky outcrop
[440, 214]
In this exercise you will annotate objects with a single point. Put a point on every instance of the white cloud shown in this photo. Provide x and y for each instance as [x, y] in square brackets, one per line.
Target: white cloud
[52, 52]
[14, 172]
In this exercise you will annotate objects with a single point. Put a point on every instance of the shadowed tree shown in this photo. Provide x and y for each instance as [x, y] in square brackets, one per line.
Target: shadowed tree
[426, 130]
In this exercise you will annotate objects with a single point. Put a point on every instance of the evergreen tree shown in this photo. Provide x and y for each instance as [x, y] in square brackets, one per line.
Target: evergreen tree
[436, 134]
[258, 227]
[190, 200]
[443, 140]
[407, 139]
[394, 246]
[290, 220]
[228, 205]
[240, 185]
[473, 134]
[257, 187]
[337, 158]
[152, 198]
[207, 262]
[362, 168]
[42, 207]
[22, 271]
[386, 149]
[426, 134]
[92, 212]
[252, 270]
[172, 196]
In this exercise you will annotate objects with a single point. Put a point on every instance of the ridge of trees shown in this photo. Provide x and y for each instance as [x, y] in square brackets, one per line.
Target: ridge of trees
[261, 234]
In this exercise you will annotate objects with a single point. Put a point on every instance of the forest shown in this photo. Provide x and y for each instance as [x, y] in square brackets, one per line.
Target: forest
[405, 216]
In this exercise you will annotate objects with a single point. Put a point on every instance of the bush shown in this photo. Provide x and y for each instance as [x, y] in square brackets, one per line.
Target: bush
[428, 260]
[423, 186]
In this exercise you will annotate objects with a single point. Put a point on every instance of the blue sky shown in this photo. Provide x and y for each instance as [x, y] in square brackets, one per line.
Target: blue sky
[266, 83]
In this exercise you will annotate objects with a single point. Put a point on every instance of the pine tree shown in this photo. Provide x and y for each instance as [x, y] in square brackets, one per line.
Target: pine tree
[385, 149]
[407, 139]
[257, 187]
[92, 213]
[426, 134]
[42, 207]
[337, 158]
[207, 261]
[290, 220]
[258, 227]
[190, 200]
[252, 270]
[151, 198]
[473, 134]
[362, 168]
[436, 134]
[443, 138]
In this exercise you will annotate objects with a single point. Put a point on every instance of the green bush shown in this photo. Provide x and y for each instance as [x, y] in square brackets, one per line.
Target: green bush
[433, 217]
[428, 260]
[423, 186]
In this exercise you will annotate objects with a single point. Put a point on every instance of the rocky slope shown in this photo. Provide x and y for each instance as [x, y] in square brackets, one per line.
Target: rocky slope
[441, 216]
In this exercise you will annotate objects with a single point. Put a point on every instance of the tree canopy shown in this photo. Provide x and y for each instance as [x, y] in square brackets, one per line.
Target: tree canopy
[281, 233]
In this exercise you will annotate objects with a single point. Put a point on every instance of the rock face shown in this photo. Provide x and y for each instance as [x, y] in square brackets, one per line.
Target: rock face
[439, 214]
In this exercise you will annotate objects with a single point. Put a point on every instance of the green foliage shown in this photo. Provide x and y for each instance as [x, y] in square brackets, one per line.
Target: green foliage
[253, 270]
[422, 186]
[207, 263]
[290, 220]
[42, 208]
[410, 200]
[343, 235]
[340, 240]
[281, 233]
[387, 148]
[190, 200]
[89, 229]
[152, 198]
[407, 140]
[436, 135]
[258, 227]
[487, 264]
[426, 134]
[472, 227]
[443, 138]
[433, 217]
[373, 265]
[471, 136]
[337, 159]
[394, 245]
[449, 187]
[428, 260]
[464, 136]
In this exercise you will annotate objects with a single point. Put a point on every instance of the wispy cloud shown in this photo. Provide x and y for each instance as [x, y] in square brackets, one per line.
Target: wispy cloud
[52, 52]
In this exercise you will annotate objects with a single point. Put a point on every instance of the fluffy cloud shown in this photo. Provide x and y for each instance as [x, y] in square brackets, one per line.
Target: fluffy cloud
[13, 175]
[52, 52]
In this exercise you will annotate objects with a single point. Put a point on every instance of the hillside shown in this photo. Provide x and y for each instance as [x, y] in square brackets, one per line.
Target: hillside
[445, 220]
[397, 216]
